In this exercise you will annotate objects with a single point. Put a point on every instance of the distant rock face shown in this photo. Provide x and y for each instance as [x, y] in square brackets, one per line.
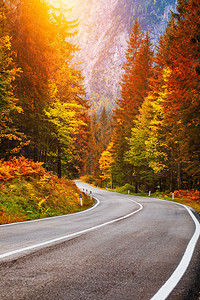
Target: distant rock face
[104, 29]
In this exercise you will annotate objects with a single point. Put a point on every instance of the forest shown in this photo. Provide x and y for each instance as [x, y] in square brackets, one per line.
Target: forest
[150, 139]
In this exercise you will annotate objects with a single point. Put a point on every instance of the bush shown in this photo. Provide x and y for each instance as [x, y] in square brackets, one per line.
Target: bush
[188, 194]
[125, 188]
[17, 167]
[91, 180]
[29, 192]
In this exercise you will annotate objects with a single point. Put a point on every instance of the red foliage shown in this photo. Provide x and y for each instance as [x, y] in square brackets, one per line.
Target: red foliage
[188, 194]
[19, 167]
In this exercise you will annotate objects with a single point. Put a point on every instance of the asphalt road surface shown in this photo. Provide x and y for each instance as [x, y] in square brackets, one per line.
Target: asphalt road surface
[125, 247]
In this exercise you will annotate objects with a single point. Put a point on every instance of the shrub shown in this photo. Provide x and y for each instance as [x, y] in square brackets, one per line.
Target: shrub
[187, 194]
[27, 192]
[16, 167]
[125, 188]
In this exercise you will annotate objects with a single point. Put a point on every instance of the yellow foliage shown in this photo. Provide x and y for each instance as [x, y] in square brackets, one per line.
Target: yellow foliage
[105, 162]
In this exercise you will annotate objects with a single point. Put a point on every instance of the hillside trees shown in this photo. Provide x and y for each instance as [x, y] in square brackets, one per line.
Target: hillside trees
[163, 148]
[179, 51]
[148, 146]
[54, 113]
[72, 127]
[105, 164]
[31, 38]
[134, 88]
[8, 73]
[104, 130]
[100, 139]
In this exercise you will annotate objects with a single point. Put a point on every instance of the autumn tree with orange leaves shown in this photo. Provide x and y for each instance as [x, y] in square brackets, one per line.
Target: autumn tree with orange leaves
[156, 136]
[166, 145]
[181, 54]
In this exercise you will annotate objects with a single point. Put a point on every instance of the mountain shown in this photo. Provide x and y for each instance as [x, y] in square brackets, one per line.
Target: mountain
[104, 28]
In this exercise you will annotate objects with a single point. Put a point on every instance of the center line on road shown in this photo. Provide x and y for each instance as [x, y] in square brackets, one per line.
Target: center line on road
[72, 234]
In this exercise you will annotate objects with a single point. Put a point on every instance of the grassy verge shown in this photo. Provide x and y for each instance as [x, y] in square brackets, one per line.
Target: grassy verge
[31, 195]
[190, 198]
[194, 203]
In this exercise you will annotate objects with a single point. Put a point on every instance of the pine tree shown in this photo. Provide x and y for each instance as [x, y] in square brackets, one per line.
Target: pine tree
[181, 55]
[105, 164]
[104, 130]
[134, 89]
[8, 102]
[32, 39]
[50, 90]
[69, 89]
[95, 143]
[148, 147]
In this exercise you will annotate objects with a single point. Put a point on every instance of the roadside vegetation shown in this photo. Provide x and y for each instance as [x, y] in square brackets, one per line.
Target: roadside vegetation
[187, 197]
[28, 191]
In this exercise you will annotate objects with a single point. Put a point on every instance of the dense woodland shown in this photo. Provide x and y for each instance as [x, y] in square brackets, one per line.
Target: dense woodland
[43, 111]
[152, 139]
[155, 142]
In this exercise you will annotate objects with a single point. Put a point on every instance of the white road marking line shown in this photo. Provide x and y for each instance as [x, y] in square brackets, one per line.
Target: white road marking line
[73, 234]
[174, 279]
[56, 217]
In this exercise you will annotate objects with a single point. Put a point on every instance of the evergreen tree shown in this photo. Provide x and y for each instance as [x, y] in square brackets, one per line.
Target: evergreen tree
[134, 89]
[8, 102]
[165, 136]
[104, 130]
[50, 90]
[69, 92]
[148, 147]
[105, 164]
[181, 55]
[95, 142]
[32, 38]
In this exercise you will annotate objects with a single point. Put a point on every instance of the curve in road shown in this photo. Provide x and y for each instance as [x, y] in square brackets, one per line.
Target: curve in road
[52, 241]
[151, 256]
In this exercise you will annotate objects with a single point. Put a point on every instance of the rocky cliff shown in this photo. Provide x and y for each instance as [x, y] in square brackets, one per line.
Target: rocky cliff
[104, 29]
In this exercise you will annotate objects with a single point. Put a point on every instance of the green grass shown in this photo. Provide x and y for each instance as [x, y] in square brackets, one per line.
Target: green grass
[195, 204]
[33, 198]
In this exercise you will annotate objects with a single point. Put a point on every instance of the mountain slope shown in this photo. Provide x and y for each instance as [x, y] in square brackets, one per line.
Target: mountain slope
[104, 29]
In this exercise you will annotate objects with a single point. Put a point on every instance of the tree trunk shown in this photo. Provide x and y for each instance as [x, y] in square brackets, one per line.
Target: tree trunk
[111, 181]
[160, 183]
[136, 187]
[178, 170]
[171, 188]
[59, 171]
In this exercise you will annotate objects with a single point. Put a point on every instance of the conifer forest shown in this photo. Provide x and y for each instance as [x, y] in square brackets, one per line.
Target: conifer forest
[149, 137]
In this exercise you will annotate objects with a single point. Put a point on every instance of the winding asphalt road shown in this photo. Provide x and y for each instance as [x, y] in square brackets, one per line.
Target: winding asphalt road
[125, 247]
